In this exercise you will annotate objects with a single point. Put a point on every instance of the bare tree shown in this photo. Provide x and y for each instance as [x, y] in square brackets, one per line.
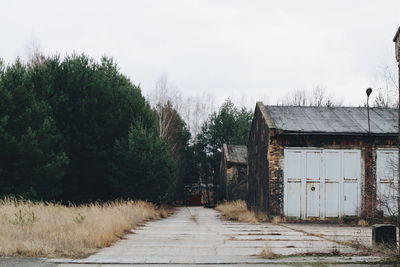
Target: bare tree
[388, 187]
[165, 91]
[34, 53]
[387, 88]
[193, 109]
[196, 111]
[166, 101]
[318, 97]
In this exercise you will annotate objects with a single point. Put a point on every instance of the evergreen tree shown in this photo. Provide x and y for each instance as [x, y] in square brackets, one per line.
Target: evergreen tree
[78, 130]
[230, 125]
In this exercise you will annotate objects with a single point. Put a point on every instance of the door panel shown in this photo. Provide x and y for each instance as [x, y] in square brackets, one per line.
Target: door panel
[294, 174]
[350, 199]
[312, 199]
[386, 172]
[313, 165]
[333, 174]
[333, 166]
[351, 178]
[294, 198]
[294, 164]
[351, 165]
[331, 199]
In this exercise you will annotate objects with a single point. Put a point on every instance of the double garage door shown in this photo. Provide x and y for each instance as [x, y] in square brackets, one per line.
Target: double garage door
[322, 183]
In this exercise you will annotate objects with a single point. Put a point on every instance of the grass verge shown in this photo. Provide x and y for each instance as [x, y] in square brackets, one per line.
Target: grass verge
[53, 230]
[237, 211]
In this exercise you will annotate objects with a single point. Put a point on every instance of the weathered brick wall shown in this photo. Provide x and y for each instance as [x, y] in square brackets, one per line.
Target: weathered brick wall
[275, 158]
[368, 146]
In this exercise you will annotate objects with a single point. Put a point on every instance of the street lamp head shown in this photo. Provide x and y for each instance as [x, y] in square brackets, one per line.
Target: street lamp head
[368, 91]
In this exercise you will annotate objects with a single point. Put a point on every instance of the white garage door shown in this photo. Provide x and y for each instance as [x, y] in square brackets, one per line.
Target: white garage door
[321, 182]
[386, 174]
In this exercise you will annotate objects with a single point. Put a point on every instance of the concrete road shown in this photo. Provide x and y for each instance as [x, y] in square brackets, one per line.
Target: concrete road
[195, 235]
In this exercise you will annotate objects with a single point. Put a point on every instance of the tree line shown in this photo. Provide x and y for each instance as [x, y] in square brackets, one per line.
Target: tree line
[73, 129]
[78, 130]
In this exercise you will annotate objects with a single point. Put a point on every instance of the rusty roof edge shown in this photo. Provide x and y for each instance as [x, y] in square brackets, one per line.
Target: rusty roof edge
[267, 117]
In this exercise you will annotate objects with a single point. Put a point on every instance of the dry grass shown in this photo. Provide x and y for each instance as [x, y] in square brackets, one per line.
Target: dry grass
[54, 230]
[362, 223]
[237, 211]
[267, 253]
[277, 220]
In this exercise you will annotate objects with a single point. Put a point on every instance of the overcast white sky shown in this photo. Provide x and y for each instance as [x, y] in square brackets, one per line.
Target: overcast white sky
[261, 49]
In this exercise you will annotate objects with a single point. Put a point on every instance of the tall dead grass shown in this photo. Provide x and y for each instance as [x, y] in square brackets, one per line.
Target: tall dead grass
[54, 230]
[237, 211]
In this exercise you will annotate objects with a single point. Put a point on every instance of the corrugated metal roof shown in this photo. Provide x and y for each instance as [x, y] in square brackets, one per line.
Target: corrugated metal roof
[236, 154]
[326, 120]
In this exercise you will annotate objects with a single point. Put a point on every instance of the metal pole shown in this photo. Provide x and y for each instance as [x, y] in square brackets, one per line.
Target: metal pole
[398, 167]
[368, 91]
[369, 124]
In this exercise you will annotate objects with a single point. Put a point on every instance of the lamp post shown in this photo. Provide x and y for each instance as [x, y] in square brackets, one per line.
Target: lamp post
[396, 41]
[368, 91]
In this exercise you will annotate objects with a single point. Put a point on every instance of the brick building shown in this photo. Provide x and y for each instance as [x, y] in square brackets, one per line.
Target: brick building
[322, 162]
[233, 172]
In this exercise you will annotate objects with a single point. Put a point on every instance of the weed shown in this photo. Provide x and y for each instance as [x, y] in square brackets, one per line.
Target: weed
[237, 211]
[23, 218]
[79, 218]
[267, 253]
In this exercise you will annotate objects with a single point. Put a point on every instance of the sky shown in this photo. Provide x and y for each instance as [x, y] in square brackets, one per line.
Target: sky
[253, 50]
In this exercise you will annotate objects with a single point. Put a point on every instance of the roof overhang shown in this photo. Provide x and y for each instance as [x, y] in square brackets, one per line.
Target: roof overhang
[396, 35]
[338, 133]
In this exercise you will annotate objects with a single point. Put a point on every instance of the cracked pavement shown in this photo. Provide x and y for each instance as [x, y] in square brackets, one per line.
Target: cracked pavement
[196, 235]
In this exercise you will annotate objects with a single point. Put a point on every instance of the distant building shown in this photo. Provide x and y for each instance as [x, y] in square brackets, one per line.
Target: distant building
[322, 162]
[233, 172]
